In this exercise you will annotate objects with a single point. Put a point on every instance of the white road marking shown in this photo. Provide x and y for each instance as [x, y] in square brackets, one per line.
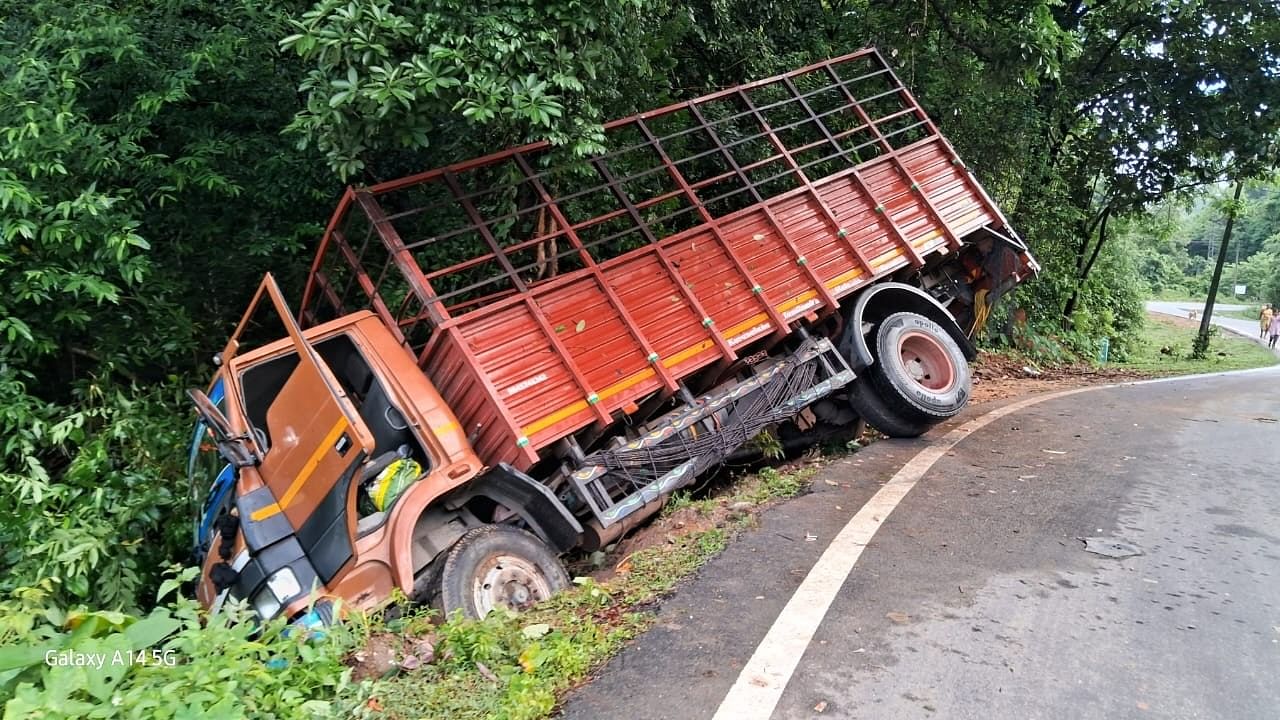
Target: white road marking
[759, 686]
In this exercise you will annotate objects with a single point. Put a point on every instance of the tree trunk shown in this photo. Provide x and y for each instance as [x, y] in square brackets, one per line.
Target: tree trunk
[1085, 264]
[1201, 346]
[1097, 249]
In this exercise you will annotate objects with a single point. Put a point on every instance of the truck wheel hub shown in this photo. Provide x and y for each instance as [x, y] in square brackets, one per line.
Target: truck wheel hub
[926, 361]
[510, 582]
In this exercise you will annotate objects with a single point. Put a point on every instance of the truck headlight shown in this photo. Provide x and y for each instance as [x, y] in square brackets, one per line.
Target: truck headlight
[265, 604]
[281, 587]
[284, 584]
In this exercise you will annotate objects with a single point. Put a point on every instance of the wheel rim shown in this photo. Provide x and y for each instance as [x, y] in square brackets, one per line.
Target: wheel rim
[926, 361]
[510, 582]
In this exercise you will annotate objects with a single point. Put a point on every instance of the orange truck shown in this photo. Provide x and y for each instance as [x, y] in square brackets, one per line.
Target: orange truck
[501, 361]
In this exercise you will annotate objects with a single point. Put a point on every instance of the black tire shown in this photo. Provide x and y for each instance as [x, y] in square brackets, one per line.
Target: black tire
[491, 566]
[920, 371]
[866, 401]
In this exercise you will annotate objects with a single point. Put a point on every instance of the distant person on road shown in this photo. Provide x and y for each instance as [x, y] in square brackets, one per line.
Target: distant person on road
[1265, 317]
[1275, 331]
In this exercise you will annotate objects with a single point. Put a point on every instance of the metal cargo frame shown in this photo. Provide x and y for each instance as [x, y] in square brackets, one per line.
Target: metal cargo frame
[542, 297]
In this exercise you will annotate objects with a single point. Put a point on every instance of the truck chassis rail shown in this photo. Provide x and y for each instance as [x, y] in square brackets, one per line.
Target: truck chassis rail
[680, 447]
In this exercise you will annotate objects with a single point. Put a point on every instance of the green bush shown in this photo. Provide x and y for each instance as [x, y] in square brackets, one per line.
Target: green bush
[175, 662]
[95, 495]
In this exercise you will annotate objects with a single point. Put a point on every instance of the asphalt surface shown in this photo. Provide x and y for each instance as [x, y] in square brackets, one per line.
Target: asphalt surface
[1240, 326]
[977, 599]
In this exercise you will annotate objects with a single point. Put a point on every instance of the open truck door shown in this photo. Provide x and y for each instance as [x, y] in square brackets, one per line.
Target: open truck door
[294, 508]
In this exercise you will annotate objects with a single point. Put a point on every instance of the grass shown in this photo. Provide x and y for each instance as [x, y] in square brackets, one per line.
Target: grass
[1164, 348]
[1184, 295]
[518, 667]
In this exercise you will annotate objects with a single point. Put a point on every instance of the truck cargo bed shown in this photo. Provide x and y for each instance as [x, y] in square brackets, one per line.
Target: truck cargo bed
[541, 299]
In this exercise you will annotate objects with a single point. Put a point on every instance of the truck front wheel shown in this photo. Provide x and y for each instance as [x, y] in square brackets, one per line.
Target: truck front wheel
[920, 371]
[493, 566]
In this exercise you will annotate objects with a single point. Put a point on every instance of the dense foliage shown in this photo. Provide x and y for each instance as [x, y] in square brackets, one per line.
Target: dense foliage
[143, 181]
[413, 76]
[171, 663]
[157, 157]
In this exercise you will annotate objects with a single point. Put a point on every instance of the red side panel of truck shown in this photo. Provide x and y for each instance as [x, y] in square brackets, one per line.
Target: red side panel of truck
[543, 296]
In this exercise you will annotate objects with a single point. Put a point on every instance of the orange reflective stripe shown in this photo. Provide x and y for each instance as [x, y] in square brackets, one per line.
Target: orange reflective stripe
[313, 462]
[264, 512]
[548, 420]
[687, 353]
[745, 325]
[844, 277]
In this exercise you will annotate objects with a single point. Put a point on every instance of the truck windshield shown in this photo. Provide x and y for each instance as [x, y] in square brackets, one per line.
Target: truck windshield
[209, 476]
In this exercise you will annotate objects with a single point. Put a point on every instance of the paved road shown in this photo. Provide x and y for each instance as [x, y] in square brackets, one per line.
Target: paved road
[976, 599]
[1248, 328]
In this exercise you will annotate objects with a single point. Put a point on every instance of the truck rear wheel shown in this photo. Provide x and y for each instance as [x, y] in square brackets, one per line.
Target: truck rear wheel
[920, 371]
[494, 566]
[865, 400]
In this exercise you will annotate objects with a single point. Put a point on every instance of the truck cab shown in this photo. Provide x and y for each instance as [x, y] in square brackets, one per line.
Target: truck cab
[309, 421]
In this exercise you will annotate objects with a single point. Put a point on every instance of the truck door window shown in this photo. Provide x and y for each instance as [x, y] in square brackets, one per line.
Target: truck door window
[262, 383]
[386, 422]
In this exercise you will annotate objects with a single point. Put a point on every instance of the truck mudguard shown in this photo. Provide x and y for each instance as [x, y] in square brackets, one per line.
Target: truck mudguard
[546, 516]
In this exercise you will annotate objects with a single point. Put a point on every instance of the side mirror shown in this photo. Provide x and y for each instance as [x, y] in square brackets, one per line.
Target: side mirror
[229, 447]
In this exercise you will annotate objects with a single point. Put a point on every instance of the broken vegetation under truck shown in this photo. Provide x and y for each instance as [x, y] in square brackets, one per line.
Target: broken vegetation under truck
[500, 361]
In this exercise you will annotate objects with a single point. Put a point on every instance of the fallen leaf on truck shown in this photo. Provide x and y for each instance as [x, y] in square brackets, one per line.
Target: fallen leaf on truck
[582, 325]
